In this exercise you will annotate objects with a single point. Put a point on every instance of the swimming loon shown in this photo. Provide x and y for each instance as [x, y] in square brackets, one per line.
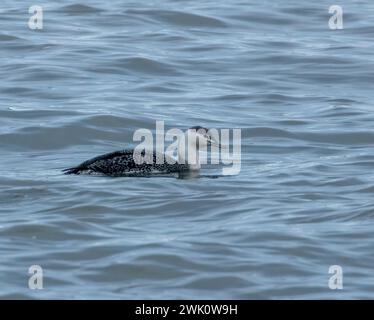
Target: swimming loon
[122, 163]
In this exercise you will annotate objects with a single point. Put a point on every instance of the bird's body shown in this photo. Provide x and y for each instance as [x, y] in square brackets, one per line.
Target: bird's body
[126, 162]
[122, 163]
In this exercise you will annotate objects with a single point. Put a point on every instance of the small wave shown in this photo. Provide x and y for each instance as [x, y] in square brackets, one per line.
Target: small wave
[178, 18]
[111, 121]
[263, 18]
[5, 37]
[332, 137]
[80, 9]
[144, 65]
[15, 113]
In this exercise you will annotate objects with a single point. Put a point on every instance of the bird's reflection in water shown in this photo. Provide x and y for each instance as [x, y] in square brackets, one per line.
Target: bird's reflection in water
[195, 175]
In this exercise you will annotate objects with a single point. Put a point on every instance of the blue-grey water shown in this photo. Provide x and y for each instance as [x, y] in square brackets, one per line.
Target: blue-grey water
[301, 93]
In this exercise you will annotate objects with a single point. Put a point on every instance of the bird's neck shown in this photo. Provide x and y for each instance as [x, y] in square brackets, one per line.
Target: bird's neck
[189, 155]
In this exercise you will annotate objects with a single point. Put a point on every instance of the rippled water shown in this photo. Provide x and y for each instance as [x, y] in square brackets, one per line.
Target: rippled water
[303, 201]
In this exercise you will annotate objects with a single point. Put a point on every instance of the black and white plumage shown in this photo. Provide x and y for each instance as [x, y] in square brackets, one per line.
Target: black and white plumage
[122, 163]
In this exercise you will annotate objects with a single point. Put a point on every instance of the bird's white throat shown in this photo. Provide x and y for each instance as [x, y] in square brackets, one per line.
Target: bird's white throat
[189, 155]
